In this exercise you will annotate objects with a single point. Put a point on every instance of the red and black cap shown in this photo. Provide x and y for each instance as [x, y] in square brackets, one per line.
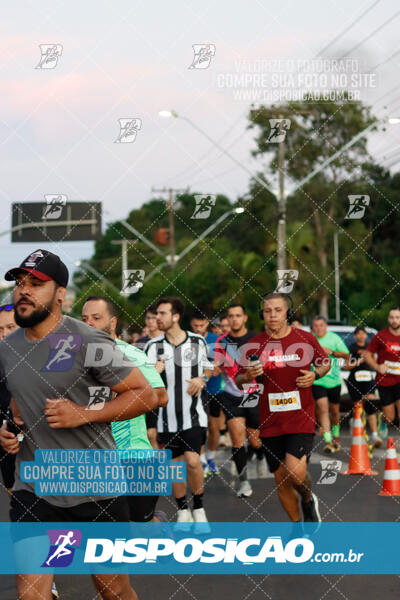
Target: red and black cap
[44, 265]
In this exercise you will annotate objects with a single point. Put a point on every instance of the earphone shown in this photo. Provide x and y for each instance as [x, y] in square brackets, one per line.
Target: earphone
[290, 315]
[174, 318]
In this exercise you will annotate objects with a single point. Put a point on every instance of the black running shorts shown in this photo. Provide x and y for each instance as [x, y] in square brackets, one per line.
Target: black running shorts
[333, 394]
[389, 394]
[179, 442]
[141, 508]
[296, 444]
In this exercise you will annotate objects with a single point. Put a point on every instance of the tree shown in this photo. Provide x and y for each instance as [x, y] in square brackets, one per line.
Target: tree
[311, 139]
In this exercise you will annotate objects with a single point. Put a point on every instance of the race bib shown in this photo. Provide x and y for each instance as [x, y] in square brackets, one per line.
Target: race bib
[393, 368]
[282, 402]
[364, 375]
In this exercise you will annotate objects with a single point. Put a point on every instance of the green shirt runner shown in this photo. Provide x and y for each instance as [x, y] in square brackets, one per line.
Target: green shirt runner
[335, 343]
[133, 432]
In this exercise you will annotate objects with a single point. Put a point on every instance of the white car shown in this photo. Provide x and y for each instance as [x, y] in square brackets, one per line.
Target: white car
[346, 333]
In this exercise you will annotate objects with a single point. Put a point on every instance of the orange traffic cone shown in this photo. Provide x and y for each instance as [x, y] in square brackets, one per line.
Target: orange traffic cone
[359, 461]
[391, 476]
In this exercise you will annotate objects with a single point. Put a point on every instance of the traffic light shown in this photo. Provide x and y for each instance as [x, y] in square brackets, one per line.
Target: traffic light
[161, 236]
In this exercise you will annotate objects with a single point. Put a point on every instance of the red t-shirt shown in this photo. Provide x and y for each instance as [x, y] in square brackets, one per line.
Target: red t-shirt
[285, 408]
[387, 347]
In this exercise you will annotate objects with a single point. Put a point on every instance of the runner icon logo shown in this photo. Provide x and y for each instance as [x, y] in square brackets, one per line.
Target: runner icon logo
[203, 54]
[50, 54]
[133, 281]
[357, 206]
[286, 280]
[61, 551]
[279, 129]
[128, 129]
[330, 471]
[62, 351]
[98, 396]
[55, 205]
[251, 395]
[204, 204]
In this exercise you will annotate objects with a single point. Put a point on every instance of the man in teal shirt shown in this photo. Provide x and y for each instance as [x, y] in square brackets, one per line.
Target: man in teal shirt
[99, 312]
[326, 390]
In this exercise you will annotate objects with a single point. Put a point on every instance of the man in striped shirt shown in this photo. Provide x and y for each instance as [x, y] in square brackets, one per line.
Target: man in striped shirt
[181, 359]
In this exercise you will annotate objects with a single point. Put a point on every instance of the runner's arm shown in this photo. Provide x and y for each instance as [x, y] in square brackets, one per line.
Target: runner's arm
[135, 396]
[372, 362]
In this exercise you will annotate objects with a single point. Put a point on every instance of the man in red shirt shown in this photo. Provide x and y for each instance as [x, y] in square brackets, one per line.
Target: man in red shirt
[386, 345]
[287, 413]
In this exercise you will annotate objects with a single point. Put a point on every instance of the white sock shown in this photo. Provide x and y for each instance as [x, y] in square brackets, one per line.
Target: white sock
[374, 434]
[203, 458]
[211, 454]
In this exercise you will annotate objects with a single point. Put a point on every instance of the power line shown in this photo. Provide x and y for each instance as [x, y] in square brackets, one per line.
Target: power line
[335, 39]
[371, 34]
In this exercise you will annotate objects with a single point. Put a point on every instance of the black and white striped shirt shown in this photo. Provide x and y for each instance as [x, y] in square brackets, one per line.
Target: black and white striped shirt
[182, 362]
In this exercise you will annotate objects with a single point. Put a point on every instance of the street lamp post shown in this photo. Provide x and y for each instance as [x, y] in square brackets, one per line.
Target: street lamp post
[124, 257]
[337, 273]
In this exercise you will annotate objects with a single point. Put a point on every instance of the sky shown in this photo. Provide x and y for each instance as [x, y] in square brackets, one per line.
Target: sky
[123, 59]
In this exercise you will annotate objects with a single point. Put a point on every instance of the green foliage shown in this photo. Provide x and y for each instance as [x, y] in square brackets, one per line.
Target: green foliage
[237, 261]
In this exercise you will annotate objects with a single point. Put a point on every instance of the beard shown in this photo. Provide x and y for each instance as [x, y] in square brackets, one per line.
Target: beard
[36, 317]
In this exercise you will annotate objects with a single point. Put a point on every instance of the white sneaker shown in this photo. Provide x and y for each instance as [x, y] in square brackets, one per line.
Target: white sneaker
[54, 592]
[201, 521]
[184, 518]
[262, 470]
[245, 490]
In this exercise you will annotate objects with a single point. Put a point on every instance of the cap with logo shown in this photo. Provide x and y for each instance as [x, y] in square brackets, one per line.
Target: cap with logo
[44, 265]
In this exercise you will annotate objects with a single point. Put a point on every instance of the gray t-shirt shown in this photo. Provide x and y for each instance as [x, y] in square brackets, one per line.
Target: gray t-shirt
[61, 366]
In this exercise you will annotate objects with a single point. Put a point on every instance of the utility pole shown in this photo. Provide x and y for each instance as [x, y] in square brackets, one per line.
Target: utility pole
[172, 193]
[281, 227]
[124, 253]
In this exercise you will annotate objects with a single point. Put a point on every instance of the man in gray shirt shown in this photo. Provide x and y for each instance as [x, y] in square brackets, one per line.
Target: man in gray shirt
[50, 369]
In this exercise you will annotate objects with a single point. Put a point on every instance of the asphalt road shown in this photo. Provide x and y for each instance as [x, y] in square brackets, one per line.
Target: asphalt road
[350, 498]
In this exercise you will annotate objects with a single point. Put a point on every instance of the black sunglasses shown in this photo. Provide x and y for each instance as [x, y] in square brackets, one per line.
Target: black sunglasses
[7, 307]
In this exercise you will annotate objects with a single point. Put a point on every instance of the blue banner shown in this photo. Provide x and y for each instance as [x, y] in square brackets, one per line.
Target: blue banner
[201, 548]
[57, 472]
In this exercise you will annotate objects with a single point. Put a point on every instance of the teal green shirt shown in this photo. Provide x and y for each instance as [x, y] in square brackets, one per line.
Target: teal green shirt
[133, 432]
[335, 343]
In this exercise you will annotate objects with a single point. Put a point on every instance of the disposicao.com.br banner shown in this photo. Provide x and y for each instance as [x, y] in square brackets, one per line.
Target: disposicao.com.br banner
[203, 548]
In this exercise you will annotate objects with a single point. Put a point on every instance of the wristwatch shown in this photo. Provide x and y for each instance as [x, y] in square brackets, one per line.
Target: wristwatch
[205, 378]
[317, 375]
